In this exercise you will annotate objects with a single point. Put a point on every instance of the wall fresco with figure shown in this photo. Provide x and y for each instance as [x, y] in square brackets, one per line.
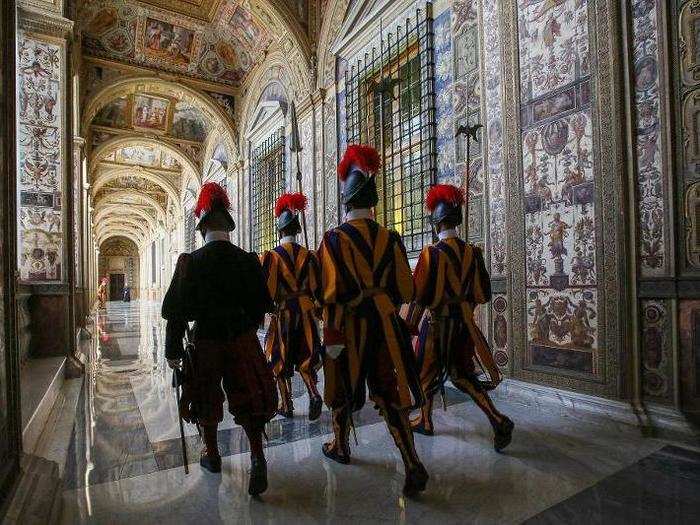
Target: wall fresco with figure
[688, 127]
[559, 188]
[650, 122]
[40, 162]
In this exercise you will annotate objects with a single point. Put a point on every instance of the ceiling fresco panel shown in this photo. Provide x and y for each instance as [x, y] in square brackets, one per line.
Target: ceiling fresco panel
[213, 40]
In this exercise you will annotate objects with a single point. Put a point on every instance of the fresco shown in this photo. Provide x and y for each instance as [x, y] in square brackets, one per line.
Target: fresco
[561, 271]
[114, 114]
[221, 51]
[188, 123]
[553, 45]
[168, 41]
[651, 172]
[40, 161]
[140, 155]
[494, 136]
[227, 103]
[443, 97]
[151, 112]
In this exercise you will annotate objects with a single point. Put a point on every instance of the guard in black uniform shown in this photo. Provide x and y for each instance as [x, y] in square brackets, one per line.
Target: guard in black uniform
[222, 289]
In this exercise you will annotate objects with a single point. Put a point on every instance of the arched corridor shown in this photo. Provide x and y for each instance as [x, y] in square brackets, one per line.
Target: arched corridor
[569, 129]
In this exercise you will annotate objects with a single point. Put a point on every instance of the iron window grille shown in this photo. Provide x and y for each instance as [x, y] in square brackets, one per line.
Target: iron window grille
[393, 89]
[267, 184]
[190, 232]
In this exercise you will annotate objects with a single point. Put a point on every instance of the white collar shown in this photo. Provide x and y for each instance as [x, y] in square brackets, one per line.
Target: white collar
[216, 235]
[447, 234]
[288, 239]
[358, 213]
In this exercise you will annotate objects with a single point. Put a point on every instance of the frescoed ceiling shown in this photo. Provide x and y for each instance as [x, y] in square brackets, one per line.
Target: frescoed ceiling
[178, 122]
[214, 40]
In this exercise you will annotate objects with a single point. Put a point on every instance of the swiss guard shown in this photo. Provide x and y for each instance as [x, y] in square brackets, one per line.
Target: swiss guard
[450, 280]
[292, 341]
[222, 289]
[365, 277]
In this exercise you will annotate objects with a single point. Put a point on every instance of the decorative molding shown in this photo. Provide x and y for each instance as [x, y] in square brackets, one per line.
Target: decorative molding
[42, 22]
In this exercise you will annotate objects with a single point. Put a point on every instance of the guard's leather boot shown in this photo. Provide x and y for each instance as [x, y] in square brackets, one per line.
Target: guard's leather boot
[315, 406]
[210, 462]
[503, 434]
[258, 476]
[210, 459]
[423, 423]
[400, 429]
[339, 449]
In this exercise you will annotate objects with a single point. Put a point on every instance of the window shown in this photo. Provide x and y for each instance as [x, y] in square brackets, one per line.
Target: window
[390, 104]
[267, 184]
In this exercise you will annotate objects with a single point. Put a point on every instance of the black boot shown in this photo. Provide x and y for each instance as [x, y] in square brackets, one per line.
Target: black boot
[423, 423]
[400, 429]
[210, 458]
[339, 449]
[503, 434]
[258, 476]
[315, 406]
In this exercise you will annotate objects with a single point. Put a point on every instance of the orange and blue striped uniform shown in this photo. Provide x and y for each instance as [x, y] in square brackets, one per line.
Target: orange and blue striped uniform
[450, 280]
[292, 340]
[365, 277]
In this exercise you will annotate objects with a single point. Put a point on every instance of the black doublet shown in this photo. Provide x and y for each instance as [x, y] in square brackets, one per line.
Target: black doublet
[221, 288]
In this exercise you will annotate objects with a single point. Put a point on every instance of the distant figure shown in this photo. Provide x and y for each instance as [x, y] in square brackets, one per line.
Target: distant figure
[127, 294]
[102, 293]
[222, 289]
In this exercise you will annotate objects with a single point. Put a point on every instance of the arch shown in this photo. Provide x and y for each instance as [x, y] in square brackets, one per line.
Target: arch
[107, 210]
[118, 143]
[262, 78]
[293, 40]
[149, 84]
[125, 231]
[125, 221]
[107, 176]
[119, 234]
[160, 210]
[330, 26]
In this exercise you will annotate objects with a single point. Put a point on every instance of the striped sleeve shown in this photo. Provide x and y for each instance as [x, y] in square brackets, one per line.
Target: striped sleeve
[481, 289]
[269, 266]
[427, 279]
[403, 278]
[331, 284]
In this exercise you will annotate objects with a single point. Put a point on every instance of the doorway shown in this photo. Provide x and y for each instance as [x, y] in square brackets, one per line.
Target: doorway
[116, 286]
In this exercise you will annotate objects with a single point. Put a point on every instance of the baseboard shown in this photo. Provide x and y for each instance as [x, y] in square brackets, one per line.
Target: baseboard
[41, 381]
[657, 421]
[37, 497]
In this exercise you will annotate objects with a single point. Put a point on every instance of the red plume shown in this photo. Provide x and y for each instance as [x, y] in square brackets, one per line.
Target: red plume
[210, 194]
[290, 201]
[364, 157]
[444, 193]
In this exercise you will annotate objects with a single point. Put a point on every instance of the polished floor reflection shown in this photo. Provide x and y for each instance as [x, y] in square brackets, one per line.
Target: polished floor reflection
[124, 463]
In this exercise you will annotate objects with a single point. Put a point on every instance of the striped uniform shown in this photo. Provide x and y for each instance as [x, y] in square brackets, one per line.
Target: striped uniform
[292, 340]
[450, 280]
[365, 278]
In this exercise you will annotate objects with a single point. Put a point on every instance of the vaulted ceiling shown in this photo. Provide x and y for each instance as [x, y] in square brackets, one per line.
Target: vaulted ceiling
[214, 40]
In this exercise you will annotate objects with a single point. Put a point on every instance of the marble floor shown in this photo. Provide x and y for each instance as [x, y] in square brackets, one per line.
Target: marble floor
[124, 461]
